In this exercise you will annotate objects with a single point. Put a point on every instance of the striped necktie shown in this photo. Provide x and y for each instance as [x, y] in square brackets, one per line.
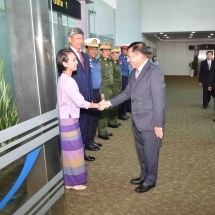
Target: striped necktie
[137, 72]
[82, 60]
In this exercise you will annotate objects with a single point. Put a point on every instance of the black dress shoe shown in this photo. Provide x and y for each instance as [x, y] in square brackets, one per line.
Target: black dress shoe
[88, 158]
[104, 137]
[144, 188]
[92, 147]
[119, 124]
[97, 144]
[109, 134]
[137, 181]
[113, 126]
[205, 106]
[122, 118]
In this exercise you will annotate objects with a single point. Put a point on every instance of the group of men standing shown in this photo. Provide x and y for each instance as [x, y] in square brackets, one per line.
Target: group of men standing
[105, 78]
[98, 79]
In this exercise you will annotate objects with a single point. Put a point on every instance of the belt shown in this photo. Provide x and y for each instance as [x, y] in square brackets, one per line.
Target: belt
[97, 89]
[117, 83]
[107, 85]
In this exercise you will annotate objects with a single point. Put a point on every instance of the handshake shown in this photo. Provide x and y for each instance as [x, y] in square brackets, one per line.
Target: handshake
[103, 105]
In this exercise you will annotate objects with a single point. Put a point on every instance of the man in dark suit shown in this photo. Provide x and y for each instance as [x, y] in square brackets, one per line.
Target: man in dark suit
[211, 86]
[83, 78]
[207, 67]
[146, 88]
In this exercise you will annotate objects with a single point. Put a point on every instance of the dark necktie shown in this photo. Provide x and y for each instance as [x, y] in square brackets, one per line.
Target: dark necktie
[82, 60]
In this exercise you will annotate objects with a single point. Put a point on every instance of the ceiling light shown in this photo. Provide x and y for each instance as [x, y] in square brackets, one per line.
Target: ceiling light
[161, 33]
[156, 35]
[212, 34]
[165, 35]
[209, 36]
[193, 32]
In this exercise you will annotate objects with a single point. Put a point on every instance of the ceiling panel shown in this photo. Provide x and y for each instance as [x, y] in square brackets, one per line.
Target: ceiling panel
[164, 36]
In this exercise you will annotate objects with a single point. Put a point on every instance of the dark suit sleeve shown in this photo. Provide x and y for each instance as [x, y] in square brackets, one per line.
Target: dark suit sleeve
[158, 98]
[212, 76]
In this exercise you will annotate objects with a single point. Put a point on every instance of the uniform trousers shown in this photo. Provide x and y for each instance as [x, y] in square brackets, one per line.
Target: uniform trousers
[103, 117]
[112, 120]
[123, 107]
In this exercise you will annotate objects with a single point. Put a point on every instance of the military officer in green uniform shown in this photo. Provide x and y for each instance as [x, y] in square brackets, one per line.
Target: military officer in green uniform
[117, 86]
[106, 87]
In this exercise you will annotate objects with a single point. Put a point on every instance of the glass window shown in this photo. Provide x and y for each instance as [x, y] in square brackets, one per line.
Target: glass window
[101, 18]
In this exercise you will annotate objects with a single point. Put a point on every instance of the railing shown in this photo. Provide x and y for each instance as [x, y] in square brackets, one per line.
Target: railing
[29, 137]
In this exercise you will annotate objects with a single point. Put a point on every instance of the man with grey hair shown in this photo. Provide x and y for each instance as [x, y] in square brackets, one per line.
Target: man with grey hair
[83, 78]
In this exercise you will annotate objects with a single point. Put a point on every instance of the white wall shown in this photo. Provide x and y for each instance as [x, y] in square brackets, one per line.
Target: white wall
[177, 15]
[102, 22]
[174, 56]
[128, 21]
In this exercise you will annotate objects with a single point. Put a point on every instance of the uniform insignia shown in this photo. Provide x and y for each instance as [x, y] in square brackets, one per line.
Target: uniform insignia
[94, 41]
[107, 44]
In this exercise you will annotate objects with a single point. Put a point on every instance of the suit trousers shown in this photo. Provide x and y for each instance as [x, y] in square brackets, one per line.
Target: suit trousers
[206, 94]
[84, 124]
[148, 146]
[94, 118]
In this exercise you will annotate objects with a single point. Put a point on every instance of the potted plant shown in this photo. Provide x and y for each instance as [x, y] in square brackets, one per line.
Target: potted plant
[9, 117]
[192, 67]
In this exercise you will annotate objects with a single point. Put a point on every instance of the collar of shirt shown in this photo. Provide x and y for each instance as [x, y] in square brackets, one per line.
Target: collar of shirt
[76, 52]
[93, 60]
[142, 65]
[209, 61]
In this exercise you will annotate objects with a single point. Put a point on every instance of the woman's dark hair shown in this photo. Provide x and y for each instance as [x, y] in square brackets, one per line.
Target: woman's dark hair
[139, 47]
[62, 56]
[153, 58]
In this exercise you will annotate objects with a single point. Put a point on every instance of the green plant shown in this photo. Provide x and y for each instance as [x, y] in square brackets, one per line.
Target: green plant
[8, 107]
[192, 65]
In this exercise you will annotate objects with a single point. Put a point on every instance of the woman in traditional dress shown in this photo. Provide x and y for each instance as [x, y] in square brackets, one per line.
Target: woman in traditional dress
[69, 102]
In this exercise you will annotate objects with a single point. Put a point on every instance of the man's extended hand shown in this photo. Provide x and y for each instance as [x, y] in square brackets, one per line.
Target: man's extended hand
[104, 104]
[158, 132]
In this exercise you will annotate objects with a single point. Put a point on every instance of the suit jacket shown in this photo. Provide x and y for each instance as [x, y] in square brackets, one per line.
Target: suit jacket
[83, 78]
[147, 95]
[205, 73]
